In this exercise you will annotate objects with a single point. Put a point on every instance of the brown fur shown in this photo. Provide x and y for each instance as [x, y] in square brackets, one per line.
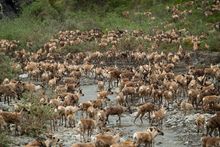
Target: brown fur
[83, 145]
[126, 143]
[145, 91]
[104, 140]
[147, 107]
[158, 116]
[12, 118]
[129, 91]
[84, 106]
[208, 141]
[97, 103]
[86, 125]
[216, 107]
[70, 115]
[2, 123]
[186, 107]
[212, 124]
[91, 111]
[101, 86]
[168, 96]
[35, 143]
[146, 137]
[210, 100]
[120, 99]
[193, 97]
[71, 99]
[101, 120]
[103, 94]
[200, 122]
[115, 110]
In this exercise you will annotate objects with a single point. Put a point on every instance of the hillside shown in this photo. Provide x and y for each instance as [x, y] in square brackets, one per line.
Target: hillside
[37, 21]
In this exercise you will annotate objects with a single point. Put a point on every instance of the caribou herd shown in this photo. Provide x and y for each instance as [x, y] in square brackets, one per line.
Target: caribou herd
[143, 82]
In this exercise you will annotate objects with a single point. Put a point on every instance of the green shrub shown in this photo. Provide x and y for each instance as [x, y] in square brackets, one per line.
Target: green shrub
[4, 139]
[6, 70]
[213, 41]
[42, 19]
[38, 116]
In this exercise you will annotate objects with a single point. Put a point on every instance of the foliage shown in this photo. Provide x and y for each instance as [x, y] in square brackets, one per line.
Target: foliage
[213, 41]
[6, 70]
[42, 19]
[38, 115]
[5, 140]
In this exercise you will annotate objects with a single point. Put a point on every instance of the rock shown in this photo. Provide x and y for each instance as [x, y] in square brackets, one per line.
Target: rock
[185, 143]
[158, 143]
[23, 76]
[174, 111]
[4, 107]
[190, 118]
[134, 114]
[173, 127]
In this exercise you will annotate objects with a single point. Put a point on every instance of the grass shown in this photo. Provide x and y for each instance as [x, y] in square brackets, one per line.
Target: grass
[87, 46]
[25, 29]
[43, 19]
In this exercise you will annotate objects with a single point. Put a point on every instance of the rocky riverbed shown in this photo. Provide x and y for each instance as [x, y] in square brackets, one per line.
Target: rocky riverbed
[179, 129]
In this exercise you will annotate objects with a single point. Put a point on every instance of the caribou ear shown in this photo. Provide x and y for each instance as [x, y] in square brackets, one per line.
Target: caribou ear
[151, 129]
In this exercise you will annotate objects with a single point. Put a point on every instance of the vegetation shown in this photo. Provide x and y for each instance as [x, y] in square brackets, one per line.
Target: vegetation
[6, 70]
[5, 140]
[37, 116]
[42, 19]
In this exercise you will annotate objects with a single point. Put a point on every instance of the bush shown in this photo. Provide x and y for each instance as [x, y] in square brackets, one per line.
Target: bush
[6, 70]
[5, 140]
[36, 120]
